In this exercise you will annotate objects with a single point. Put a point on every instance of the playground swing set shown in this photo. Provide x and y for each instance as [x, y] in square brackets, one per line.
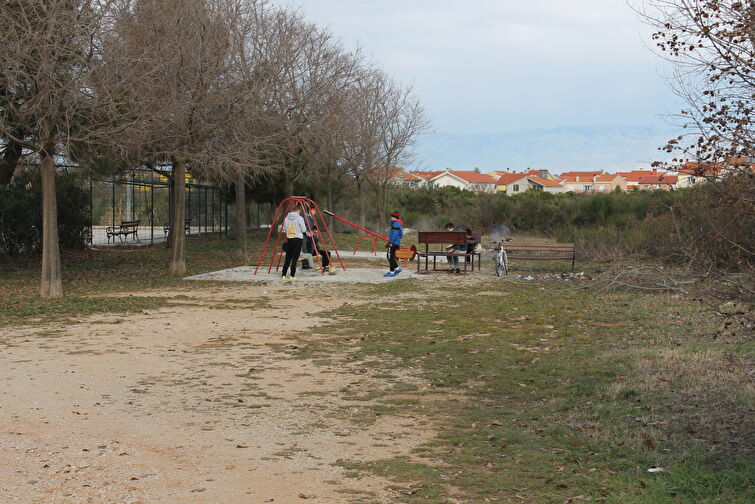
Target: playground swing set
[309, 207]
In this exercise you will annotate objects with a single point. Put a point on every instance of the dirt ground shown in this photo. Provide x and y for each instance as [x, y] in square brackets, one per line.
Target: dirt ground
[199, 403]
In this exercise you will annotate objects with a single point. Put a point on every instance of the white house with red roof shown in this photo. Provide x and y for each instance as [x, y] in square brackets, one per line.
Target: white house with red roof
[633, 177]
[577, 181]
[400, 177]
[467, 180]
[692, 172]
[656, 182]
[521, 183]
[608, 182]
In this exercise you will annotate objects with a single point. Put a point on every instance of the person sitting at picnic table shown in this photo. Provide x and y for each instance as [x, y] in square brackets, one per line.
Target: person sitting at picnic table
[452, 250]
[473, 240]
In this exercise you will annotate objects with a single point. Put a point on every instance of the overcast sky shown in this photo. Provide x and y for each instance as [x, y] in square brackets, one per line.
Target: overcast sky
[504, 65]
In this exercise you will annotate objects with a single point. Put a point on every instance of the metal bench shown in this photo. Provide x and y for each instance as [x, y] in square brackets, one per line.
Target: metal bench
[187, 227]
[540, 251]
[444, 238]
[125, 229]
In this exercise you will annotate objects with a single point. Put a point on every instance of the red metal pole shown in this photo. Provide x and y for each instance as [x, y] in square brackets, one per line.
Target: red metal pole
[264, 247]
[307, 204]
[330, 237]
[331, 214]
[376, 235]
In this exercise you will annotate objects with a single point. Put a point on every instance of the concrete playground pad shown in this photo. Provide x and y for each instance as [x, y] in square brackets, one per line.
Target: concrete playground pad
[351, 275]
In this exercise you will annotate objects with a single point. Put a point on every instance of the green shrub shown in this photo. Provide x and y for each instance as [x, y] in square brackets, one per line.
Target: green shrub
[21, 214]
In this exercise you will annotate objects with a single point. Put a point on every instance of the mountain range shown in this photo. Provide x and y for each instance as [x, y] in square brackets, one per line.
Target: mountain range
[608, 148]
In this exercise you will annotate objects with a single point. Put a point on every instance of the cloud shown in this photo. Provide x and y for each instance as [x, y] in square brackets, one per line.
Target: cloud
[497, 65]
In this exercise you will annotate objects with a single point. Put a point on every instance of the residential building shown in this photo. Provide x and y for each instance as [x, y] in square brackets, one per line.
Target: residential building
[503, 179]
[544, 174]
[659, 181]
[693, 172]
[400, 177]
[633, 177]
[608, 182]
[578, 181]
[468, 180]
[522, 183]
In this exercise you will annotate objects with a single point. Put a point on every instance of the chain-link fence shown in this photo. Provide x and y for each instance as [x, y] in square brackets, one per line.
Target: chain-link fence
[136, 207]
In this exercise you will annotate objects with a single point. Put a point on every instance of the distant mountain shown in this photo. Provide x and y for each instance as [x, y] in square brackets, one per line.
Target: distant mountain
[609, 148]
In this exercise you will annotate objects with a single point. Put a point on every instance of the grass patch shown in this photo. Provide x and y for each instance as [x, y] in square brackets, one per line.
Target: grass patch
[90, 277]
[567, 395]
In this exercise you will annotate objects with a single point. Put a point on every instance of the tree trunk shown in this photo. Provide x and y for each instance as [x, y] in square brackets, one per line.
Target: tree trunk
[51, 284]
[240, 216]
[178, 256]
[9, 161]
[331, 206]
[380, 205]
[288, 184]
[171, 213]
[362, 206]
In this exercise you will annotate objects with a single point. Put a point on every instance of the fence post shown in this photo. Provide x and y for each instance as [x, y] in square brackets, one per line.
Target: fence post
[91, 210]
[152, 214]
[188, 212]
[112, 182]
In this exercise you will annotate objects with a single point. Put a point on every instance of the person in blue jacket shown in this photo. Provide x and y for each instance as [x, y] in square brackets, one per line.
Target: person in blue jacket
[394, 242]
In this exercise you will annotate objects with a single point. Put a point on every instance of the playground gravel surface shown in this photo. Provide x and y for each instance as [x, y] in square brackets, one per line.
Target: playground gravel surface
[351, 275]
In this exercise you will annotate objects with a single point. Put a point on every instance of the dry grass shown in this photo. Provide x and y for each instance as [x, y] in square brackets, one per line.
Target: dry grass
[706, 397]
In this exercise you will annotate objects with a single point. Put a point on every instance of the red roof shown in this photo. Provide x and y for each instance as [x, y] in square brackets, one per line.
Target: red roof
[607, 177]
[392, 171]
[660, 178]
[427, 175]
[634, 175]
[471, 177]
[508, 178]
[581, 174]
[577, 177]
[410, 177]
[543, 181]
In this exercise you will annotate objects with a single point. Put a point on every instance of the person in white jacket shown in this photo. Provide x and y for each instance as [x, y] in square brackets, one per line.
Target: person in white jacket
[295, 229]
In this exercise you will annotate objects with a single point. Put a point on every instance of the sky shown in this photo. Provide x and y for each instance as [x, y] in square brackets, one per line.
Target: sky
[497, 66]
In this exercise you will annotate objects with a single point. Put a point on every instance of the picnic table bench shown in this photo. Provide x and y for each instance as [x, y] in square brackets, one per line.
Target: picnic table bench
[187, 226]
[122, 231]
[445, 238]
[533, 251]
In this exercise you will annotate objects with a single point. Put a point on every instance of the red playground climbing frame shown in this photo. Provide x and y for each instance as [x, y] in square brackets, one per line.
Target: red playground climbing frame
[287, 205]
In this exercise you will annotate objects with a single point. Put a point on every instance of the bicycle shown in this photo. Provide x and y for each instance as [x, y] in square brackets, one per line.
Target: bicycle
[501, 258]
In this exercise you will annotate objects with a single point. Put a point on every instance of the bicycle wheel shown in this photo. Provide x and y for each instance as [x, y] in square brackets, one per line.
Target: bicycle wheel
[500, 265]
[505, 261]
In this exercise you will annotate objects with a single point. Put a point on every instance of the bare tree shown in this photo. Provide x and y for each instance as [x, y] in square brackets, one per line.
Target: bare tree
[306, 71]
[361, 146]
[402, 122]
[52, 97]
[184, 47]
[712, 46]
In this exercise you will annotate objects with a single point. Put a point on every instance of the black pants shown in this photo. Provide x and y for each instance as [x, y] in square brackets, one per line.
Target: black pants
[313, 244]
[325, 258]
[293, 249]
[392, 261]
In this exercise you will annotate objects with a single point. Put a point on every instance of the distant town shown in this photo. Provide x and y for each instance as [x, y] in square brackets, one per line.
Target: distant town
[511, 183]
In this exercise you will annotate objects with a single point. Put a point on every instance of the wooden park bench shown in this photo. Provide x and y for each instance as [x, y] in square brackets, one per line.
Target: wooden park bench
[126, 228]
[444, 238]
[540, 251]
[187, 226]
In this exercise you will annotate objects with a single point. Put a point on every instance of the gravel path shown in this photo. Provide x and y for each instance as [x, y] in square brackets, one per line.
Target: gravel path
[200, 403]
